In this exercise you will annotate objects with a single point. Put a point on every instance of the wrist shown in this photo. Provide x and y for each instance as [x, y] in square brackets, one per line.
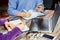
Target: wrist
[21, 14]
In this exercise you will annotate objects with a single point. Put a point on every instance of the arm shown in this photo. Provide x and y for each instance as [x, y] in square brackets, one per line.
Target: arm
[12, 34]
[12, 5]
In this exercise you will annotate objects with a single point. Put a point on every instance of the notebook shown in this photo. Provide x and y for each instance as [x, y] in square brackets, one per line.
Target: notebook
[18, 22]
[34, 14]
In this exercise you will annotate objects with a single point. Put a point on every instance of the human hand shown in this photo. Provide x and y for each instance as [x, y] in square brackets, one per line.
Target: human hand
[39, 8]
[27, 14]
[9, 26]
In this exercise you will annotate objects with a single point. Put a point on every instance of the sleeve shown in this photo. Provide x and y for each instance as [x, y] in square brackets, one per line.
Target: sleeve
[1, 36]
[12, 34]
[12, 4]
[39, 2]
[2, 21]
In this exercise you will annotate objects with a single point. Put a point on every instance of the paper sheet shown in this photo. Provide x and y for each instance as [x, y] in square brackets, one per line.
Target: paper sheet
[17, 22]
[34, 14]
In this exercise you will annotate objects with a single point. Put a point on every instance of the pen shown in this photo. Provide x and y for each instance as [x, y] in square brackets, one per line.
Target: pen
[24, 10]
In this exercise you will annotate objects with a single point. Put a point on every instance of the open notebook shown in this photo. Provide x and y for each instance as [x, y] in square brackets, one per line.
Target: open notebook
[34, 14]
[18, 22]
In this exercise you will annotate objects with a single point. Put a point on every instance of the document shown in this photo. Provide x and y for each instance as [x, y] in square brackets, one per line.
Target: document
[18, 22]
[34, 14]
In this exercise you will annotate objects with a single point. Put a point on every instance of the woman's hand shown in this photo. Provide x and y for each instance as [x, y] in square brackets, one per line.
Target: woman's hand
[23, 14]
[9, 26]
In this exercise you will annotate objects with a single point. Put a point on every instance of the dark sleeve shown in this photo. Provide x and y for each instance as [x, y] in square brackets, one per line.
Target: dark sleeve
[1, 36]
[2, 21]
[12, 34]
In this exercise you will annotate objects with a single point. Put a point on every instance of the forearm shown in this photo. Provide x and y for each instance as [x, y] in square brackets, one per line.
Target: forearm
[12, 34]
[39, 8]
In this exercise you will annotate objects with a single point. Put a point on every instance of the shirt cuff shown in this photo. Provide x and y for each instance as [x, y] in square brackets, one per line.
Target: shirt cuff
[2, 21]
[15, 13]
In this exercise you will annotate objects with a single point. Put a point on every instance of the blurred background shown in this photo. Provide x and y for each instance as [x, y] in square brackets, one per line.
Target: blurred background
[3, 8]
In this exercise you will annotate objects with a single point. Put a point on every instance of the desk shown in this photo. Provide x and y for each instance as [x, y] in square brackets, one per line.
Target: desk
[56, 30]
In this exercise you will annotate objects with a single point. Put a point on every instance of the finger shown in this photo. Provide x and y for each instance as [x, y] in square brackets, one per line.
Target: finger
[7, 26]
[11, 25]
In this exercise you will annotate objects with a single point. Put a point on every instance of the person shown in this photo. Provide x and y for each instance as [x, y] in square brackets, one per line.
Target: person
[20, 8]
[17, 7]
[11, 35]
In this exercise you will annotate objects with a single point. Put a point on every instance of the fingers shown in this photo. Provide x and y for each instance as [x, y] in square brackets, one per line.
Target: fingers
[9, 26]
[39, 8]
[49, 13]
[27, 14]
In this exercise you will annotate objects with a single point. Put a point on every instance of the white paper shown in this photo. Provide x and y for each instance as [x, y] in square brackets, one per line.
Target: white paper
[17, 22]
[34, 14]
